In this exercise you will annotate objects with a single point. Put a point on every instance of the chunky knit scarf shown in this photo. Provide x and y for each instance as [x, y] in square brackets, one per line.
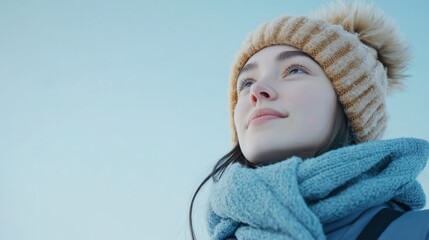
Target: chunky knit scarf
[292, 199]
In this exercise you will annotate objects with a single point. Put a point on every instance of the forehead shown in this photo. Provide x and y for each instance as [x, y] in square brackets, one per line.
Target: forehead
[270, 52]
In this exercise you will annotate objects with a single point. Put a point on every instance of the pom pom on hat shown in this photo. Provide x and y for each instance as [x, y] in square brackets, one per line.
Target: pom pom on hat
[375, 30]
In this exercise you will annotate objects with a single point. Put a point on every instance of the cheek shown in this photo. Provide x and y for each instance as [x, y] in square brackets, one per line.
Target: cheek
[239, 115]
[316, 105]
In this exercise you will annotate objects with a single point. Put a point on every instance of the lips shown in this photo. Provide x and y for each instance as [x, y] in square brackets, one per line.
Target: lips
[259, 116]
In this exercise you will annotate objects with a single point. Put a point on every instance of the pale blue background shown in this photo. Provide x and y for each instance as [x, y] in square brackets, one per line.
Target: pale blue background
[112, 112]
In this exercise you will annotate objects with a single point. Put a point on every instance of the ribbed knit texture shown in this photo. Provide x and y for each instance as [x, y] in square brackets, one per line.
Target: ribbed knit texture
[358, 78]
[293, 198]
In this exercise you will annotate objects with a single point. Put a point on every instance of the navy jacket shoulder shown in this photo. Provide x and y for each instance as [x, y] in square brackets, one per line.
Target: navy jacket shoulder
[412, 225]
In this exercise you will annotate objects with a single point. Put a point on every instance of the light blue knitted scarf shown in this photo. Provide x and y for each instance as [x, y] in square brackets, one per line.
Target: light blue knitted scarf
[292, 199]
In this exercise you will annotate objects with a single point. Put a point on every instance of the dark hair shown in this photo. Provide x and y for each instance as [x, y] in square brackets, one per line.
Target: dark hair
[340, 136]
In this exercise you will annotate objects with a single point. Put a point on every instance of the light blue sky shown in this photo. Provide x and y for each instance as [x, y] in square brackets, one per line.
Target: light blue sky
[112, 112]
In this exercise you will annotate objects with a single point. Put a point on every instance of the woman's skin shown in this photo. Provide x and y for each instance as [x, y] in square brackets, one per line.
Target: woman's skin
[286, 106]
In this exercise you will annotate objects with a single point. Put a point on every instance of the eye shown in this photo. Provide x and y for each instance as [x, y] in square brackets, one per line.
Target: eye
[244, 84]
[295, 69]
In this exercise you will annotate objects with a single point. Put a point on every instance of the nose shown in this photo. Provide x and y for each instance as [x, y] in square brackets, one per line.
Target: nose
[261, 91]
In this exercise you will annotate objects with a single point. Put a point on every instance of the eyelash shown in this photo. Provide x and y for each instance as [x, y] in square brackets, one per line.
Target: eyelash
[243, 83]
[287, 72]
[294, 67]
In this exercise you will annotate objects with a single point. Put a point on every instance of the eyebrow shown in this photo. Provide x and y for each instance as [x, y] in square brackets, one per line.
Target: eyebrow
[248, 67]
[288, 54]
[280, 57]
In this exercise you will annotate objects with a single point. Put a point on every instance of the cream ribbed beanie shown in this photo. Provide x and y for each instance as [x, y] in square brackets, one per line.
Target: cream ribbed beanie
[359, 49]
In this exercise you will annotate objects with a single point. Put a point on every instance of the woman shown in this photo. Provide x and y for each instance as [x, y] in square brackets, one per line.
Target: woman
[308, 109]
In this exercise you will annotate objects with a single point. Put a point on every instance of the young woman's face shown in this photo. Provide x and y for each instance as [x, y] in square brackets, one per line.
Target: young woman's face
[286, 106]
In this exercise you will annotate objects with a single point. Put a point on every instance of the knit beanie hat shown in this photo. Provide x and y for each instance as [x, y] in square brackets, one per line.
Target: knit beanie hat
[359, 49]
